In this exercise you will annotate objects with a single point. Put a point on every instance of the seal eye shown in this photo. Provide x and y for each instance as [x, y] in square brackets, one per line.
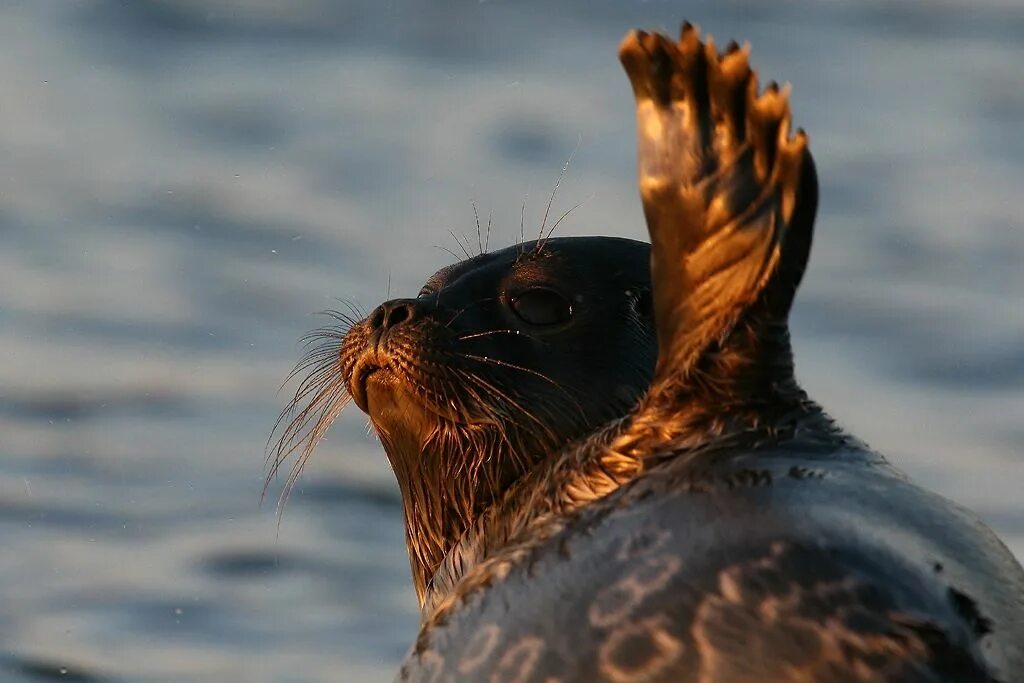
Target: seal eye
[540, 306]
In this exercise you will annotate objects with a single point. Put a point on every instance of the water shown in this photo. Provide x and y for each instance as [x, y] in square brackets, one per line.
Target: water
[182, 182]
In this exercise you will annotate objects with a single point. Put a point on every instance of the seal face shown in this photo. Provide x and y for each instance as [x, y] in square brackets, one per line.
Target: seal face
[501, 360]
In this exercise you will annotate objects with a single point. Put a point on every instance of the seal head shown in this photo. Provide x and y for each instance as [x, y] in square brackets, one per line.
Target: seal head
[498, 363]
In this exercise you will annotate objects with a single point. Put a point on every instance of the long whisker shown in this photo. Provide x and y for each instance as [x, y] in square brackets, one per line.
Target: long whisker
[346, 319]
[314, 358]
[506, 364]
[295, 433]
[356, 312]
[333, 401]
[338, 399]
[486, 334]
[318, 400]
[479, 239]
[539, 375]
[450, 252]
[487, 237]
[466, 308]
[522, 222]
[565, 215]
[459, 242]
[310, 384]
[493, 390]
[554, 190]
[330, 338]
[501, 363]
[515, 452]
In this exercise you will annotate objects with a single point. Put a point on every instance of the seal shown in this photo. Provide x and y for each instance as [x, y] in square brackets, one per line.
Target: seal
[723, 528]
[726, 529]
[499, 363]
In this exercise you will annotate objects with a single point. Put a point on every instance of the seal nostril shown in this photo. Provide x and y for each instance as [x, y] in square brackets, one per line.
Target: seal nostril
[397, 315]
[391, 314]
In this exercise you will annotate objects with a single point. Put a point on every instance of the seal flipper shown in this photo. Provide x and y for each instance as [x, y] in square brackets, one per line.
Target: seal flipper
[729, 197]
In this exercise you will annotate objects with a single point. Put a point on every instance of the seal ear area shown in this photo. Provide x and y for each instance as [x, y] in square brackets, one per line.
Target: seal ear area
[726, 191]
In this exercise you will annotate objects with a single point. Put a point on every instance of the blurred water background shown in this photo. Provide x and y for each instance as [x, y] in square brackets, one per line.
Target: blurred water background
[183, 182]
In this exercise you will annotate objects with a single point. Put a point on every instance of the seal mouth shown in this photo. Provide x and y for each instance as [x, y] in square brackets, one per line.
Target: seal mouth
[375, 366]
[364, 367]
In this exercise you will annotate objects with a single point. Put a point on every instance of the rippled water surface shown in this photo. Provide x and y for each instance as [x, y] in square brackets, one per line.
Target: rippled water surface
[183, 182]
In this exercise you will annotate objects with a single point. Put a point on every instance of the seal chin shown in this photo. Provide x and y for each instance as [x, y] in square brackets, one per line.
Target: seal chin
[391, 406]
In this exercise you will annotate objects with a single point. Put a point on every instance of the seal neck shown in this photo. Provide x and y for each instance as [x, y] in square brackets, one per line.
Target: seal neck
[447, 483]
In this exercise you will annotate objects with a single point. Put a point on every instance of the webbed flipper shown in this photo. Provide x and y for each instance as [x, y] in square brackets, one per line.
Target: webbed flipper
[729, 196]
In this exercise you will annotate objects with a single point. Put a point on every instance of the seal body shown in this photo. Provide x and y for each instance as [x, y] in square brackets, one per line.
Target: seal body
[767, 567]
